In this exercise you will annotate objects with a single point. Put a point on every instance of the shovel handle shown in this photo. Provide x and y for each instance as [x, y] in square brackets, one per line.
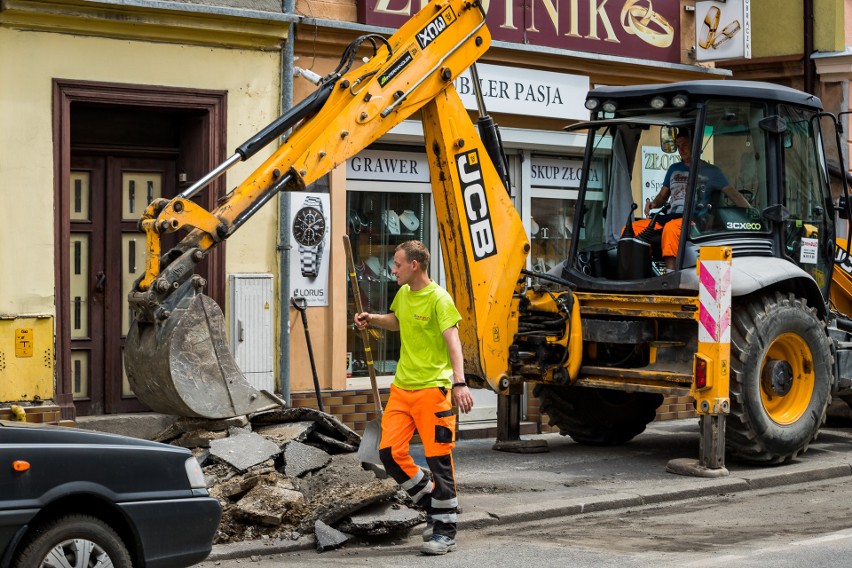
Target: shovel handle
[365, 337]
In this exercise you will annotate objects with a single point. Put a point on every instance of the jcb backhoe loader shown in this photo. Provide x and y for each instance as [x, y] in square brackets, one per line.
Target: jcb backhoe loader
[608, 331]
[757, 197]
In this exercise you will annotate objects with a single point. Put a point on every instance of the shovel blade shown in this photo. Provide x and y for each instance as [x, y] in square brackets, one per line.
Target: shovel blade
[368, 450]
[183, 365]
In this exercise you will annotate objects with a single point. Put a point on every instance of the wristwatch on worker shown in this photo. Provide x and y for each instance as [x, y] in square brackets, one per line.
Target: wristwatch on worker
[309, 231]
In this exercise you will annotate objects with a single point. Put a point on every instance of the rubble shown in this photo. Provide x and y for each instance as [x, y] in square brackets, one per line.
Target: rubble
[328, 538]
[300, 459]
[268, 504]
[243, 450]
[292, 472]
[381, 519]
[287, 432]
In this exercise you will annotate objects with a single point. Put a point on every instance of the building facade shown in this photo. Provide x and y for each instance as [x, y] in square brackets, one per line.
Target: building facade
[110, 104]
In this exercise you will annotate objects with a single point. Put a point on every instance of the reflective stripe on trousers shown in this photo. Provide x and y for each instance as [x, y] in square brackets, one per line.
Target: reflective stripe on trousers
[430, 412]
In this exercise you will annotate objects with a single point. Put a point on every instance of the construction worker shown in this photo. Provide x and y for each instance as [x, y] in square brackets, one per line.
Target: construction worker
[429, 380]
[711, 180]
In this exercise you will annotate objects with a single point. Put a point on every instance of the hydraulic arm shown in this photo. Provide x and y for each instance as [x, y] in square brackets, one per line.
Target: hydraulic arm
[177, 359]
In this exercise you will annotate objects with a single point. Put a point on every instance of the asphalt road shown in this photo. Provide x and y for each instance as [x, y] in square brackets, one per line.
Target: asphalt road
[800, 525]
[605, 506]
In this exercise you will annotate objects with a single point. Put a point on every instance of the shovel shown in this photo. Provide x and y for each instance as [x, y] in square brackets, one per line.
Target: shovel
[301, 305]
[368, 450]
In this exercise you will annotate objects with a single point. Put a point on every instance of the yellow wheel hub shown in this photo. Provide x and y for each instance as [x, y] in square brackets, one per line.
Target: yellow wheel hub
[787, 379]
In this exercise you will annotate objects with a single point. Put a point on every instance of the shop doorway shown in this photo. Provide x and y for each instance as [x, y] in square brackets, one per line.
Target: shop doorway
[120, 148]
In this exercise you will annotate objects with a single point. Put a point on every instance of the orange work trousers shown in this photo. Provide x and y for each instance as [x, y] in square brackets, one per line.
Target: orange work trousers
[430, 412]
[670, 238]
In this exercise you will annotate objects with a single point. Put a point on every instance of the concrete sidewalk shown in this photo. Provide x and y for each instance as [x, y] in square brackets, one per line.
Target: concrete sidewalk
[502, 488]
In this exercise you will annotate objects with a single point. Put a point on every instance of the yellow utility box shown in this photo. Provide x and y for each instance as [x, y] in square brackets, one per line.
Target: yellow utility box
[26, 358]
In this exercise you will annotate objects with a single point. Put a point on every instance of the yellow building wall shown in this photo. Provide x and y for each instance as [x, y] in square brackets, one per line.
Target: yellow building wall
[29, 61]
[778, 28]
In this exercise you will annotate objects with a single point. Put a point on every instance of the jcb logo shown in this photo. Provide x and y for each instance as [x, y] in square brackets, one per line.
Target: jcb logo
[843, 260]
[476, 205]
[435, 28]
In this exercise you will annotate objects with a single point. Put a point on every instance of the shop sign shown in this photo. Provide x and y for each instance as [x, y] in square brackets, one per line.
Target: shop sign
[632, 28]
[562, 173]
[655, 164]
[723, 30]
[527, 92]
[388, 165]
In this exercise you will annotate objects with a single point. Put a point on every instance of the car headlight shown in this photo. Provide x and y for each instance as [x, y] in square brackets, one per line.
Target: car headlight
[194, 474]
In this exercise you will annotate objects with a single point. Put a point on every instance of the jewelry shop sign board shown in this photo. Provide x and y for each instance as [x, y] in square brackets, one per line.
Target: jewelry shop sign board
[559, 173]
[309, 237]
[393, 166]
[527, 92]
[655, 164]
[723, 30]
[641, 29]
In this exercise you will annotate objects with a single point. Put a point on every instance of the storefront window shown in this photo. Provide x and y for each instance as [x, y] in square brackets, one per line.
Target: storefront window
[376, 223]
[553, 194]
[551, 227]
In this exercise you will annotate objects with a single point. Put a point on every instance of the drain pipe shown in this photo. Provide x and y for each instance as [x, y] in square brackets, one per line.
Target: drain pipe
[808, 63]
[284, 247]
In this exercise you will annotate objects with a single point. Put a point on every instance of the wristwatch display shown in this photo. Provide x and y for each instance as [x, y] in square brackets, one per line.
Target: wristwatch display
[309, 227]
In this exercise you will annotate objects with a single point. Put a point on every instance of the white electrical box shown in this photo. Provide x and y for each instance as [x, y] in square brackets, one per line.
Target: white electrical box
[252, 337]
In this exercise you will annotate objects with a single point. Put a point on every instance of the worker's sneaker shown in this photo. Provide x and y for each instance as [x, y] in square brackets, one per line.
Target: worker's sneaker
[427, 532]
[437, 545]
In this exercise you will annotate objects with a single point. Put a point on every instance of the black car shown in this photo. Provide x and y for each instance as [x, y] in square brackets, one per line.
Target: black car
[71, 497]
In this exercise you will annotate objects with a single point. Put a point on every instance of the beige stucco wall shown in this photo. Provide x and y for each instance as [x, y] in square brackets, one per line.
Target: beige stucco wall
[28, 63]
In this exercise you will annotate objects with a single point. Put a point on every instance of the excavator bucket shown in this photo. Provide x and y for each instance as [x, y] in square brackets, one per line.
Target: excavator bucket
[182, 365]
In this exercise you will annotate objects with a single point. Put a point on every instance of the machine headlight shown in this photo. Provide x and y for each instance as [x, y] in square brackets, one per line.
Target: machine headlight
[658, 102]
[679, 101]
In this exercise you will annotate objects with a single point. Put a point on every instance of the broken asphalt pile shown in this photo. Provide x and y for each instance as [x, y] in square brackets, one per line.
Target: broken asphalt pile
[290, 472]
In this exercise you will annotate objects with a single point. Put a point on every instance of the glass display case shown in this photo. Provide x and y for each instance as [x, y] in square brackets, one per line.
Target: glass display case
[551, 227]
[376, 223]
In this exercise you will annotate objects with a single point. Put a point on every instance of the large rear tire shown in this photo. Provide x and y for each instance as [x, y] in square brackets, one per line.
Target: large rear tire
[598, 417]
[781, 368]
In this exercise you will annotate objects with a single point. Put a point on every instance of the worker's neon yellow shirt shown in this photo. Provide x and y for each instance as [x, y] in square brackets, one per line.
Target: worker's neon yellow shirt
[424, 316]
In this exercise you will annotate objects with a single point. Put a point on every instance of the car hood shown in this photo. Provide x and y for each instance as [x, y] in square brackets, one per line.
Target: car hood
[30, 433]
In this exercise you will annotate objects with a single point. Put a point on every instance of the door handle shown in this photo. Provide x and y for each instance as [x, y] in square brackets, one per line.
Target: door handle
[99, 284]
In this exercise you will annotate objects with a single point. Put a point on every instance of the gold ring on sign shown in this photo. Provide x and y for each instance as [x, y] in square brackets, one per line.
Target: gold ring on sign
[708, 28]
[624, 14]
[639, 19]
[727, 33]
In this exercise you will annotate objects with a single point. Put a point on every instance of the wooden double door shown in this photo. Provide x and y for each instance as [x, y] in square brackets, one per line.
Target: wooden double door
[107, 254]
